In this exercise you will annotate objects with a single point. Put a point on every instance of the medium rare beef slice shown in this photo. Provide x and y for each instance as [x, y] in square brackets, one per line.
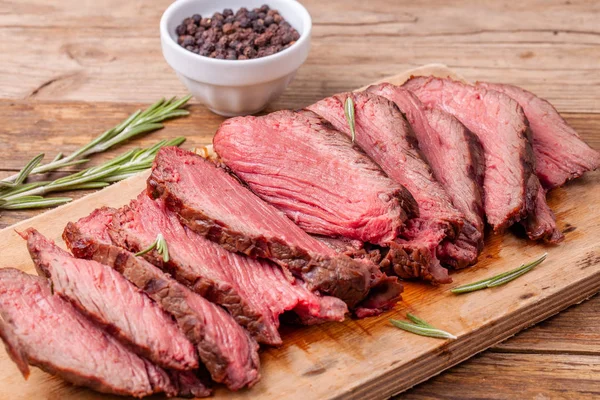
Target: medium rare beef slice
[456, 159]
[352, 248]
[560, 154]
[108, 299]
[255, 292]
[214, 204]
[386, 137]
[467, 194]
[41, 329]
[192, 261]
[383, 133]
[226, 349]
[510, 185]
[190, 383]
[325, 185]
[500, 125]
[541, 224]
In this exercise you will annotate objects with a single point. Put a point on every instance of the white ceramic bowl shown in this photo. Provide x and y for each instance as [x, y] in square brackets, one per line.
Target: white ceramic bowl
[234, 87]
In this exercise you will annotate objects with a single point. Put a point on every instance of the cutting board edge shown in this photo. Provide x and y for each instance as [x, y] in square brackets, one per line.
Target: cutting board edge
[384, 390]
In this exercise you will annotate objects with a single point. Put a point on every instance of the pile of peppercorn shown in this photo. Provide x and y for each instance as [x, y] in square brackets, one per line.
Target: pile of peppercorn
[240, 36]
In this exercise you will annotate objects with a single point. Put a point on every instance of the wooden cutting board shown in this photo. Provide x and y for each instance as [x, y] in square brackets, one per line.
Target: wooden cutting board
[370, 359]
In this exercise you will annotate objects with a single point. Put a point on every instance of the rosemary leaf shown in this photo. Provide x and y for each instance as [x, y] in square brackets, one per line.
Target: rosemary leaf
[89, 185]
[518, 272]
[24, 173]
[349, 111]
[422, 330]
[31, 202]
[21, 188]
[161, 248]
[160, 245]
[418, 320]
[500, 279]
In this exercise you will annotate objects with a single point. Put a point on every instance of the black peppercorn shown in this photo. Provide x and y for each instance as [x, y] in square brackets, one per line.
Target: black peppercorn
[191, 29]
[180, 30]
[205, 22]
[228, 28]
[188, 41]
[245, 22]
[243, 35]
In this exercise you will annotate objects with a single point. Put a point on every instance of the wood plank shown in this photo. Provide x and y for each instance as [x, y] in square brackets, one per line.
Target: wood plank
[574, 331]
[325, 361]
[110, 51]
[515, 376]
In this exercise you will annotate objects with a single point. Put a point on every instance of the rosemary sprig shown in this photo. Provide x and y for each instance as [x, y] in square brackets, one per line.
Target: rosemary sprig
[119, 168]
[160, 244]
[349, 111]
[420, 327]
[500, 279]
[137, 123]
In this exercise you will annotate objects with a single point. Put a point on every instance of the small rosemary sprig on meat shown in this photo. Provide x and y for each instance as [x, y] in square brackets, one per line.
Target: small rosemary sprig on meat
[421, 327]
[500, 279]
[137, 123]
[30, 195]
[160, 245]
[349, 111]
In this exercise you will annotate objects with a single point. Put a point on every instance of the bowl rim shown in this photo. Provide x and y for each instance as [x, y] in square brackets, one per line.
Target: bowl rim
[168, 15]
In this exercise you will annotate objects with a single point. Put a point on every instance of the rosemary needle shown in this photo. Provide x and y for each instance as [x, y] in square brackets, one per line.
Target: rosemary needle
[500, 279]
[160, 245]
[349, 111]
[418, 320]
[24, 173]
[420, 327]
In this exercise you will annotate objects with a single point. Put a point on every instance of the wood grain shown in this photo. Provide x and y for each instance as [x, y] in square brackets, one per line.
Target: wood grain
[67, 55]
[109, 50]
[325, 361]
[516, 376]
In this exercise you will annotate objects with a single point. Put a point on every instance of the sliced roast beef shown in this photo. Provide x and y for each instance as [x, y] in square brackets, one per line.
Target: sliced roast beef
[510, 184]
[325, 185]
[466, 194]
[386, 137]
[352, 248]
[255, 292]
[190, 383]
[214, 204]
[541, 223]
[102, 294]
[560, 154]
[456, 159]
[225, 348]
[41, 329]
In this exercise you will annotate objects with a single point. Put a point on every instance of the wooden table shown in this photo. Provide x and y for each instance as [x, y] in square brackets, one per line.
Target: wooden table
[70, 69]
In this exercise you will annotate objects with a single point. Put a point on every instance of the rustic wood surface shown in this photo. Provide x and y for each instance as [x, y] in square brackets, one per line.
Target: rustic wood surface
[70, 69]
